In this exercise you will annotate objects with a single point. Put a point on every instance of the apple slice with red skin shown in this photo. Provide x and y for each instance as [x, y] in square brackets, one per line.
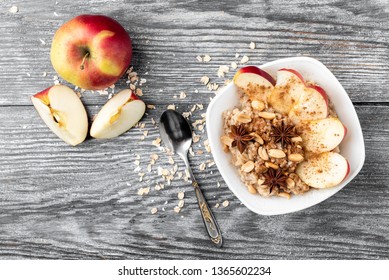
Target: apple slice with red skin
[323, 170]
[254, 82]
[312, 105]
[287, 91]
[118, 115]
[63, 112]
[322, 135]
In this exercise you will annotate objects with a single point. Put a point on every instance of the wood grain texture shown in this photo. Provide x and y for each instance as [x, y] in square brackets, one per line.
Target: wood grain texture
[81, 202]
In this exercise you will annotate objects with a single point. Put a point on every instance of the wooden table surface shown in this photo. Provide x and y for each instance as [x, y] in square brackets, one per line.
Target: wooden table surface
[63, 202]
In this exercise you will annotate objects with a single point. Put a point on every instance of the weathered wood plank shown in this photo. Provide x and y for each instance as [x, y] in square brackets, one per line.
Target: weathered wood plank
[58, 201]
[351, 38]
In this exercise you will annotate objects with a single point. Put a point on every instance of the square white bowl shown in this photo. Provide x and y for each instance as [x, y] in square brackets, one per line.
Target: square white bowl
[352, 146]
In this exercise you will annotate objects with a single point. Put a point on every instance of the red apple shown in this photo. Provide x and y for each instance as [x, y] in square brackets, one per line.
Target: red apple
[118, 115]
[91, 51]
[254, 82]
[63, 112]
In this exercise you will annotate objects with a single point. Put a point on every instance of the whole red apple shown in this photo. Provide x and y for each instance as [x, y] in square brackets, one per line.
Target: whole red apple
[91, 51]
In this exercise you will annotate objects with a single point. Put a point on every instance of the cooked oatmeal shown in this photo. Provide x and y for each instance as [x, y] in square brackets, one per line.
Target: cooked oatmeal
[266, 163]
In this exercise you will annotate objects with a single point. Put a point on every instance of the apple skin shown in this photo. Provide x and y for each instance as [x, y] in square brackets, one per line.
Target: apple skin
[255, 70]
[91, 51]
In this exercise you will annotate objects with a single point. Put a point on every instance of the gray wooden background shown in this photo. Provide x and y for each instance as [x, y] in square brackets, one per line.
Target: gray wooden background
[58, 201]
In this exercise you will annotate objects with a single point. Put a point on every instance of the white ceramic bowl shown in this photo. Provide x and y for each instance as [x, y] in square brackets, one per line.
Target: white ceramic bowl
[352, 147]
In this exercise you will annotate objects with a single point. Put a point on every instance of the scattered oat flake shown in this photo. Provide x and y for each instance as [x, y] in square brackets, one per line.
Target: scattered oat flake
[145, 133]
[154, 210]
[139, 92]
[226, 203]
[55, 14]
[199, 58]
[207, 58]
[217, 205]
[218, 184]
[42, 41]
[44, 74]
[171, 107]
[137, 162]
[222, 70]
[171, 160]
[181, 195]
[181, 203]
[150, 106]
[236, 55]
[252, 45]
[234, 65]
[196, 138]
[244, 59]
[157, 142]
[14, 10]
[202, 166]
[191, 151]
[182, 94]
[204, 80]
[177, 209]
[154, 156]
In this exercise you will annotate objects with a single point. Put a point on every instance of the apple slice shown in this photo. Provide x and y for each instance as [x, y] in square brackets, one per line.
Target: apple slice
[323, 170]
[118, 115]
[322, 135]
[254, 82]
[287, 91]
[63, 112]
[312, 105]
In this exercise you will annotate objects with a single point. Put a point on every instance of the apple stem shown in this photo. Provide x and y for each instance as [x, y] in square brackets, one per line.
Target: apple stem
[83, 61]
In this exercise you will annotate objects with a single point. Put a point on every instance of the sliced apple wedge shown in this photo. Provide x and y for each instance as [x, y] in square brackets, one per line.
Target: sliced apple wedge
[118, 115]
[312, 105]
[254, 82]
[323, 170]
[322, 135]
[287, 91]
[63, 112]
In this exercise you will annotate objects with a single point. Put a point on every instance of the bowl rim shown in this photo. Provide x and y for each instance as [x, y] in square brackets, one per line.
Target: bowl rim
[336, 188]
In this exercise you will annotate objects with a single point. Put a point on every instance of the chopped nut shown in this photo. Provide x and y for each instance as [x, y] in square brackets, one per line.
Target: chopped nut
[290, 183]
[244, 59]
[295, 157]
[257, 138]
[154, 210]
[225, 203]
[271, 165]
[258, 105]
[248, 166]
[260, 181]
[251, 189]
[267, 115]
[284, 194]
[204, 80]
[252, 45]
[276, 153]
[262, 153]
[296, 139]
[243, 118]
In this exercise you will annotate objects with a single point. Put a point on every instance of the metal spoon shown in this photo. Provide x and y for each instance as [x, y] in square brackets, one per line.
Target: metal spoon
[177, 135]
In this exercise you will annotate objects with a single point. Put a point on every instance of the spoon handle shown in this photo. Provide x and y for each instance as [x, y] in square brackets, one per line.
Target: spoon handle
[208, 218]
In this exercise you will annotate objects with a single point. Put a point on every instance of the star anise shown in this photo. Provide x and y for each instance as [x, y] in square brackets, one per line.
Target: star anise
[241, 137]
[275, 179]
[283, 133]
